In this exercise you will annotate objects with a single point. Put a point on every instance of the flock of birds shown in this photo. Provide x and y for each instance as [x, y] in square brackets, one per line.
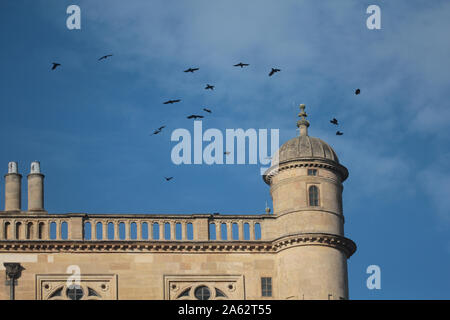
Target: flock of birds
[208, 87]
[334, 121]
[56, 64]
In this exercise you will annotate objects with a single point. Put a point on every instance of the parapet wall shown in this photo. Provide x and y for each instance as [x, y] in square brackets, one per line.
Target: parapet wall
[143, 227]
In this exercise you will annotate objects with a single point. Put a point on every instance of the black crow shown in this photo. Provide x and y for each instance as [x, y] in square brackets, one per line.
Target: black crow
[168, 178]
[208, 86]
[194, 116]
[104, 57]
[171, 101]
[227, 152]
[272, 72]
[334, 121]
[357, 91]
[207, 110]
[338, 133]
[158, 130]
[240, 64]
[191, 70]
[55, 65]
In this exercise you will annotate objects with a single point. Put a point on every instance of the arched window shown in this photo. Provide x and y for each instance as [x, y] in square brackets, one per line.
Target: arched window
[122, 231]
[64, 230]
[133, 231]
[246, 231]
[18, 230]
[145, 231]
[41, 230]
[190, 231]
[99, 231]
[74, 292]
[178, 231]
[110, 230]
[212, 231]
[202, 293]
[234, 231]
[29, 234]
[313, 196]
[87, 231]
[167, 234]
[156, 231]
[6, 230]
[257, 231]
[223, 231]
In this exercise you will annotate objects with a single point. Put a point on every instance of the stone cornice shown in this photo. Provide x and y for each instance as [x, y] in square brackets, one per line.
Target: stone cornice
[141, 216]
[90, 246]
[313, 163]
[321, 239]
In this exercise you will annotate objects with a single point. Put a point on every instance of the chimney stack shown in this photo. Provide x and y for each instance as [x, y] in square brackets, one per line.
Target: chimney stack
[35, 188]
[13, 188]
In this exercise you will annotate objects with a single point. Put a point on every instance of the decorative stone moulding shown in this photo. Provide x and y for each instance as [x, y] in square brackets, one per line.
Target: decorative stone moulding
[283, 243]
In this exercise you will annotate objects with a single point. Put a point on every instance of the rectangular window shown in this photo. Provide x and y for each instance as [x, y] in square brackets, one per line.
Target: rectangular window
[266, 286]
[312, 172]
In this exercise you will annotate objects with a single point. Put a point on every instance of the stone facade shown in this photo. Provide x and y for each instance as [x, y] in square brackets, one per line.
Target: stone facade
[298, 252]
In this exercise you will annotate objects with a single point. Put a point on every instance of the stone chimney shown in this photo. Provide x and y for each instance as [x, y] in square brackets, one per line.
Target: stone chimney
[13, 188]
[35, 188]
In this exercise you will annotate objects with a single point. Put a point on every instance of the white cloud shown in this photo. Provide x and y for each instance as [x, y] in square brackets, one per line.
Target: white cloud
[435, 180]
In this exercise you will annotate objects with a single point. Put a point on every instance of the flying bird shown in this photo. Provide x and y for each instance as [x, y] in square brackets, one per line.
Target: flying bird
[272, 72]
[357, 91]
[240, 64]
[191, 70]
[208, 86]
[55, 65]
[195, 116]
[168, 178]
[334, 121]
[104, 57]
[227, 152]
[171, 101]
[207, 110]
[338, 133]
[158, 130]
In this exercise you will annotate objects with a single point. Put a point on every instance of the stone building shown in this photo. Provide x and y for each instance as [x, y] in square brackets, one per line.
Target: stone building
[297, 252]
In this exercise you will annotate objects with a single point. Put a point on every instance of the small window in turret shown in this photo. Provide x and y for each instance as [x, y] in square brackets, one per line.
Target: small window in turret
[313, 196]
[312, 172]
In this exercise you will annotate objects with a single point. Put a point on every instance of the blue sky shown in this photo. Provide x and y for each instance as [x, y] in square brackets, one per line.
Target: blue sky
[89, 122]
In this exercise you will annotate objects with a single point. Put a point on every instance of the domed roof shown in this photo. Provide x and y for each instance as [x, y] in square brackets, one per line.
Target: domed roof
[305, 147]
[314, 151]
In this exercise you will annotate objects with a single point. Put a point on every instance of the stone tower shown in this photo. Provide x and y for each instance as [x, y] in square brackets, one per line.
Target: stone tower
[305, 182]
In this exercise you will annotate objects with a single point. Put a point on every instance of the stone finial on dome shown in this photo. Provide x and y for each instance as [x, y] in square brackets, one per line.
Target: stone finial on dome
[303, 124]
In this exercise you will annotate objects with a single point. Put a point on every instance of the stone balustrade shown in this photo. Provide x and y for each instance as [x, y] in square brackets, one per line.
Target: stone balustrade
[143, 227]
